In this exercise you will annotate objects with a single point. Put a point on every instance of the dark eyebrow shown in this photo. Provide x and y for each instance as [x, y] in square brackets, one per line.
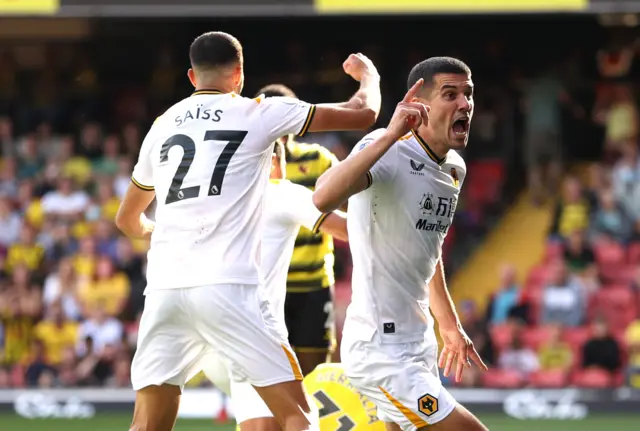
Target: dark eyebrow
[453, 87]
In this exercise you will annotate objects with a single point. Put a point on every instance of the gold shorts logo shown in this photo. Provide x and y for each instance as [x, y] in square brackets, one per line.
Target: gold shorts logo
[28, 7]
[459, 6]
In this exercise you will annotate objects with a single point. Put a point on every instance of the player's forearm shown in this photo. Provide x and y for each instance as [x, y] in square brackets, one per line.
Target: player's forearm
[369, 94]
[440, 301]
[348, 177]
[138, 228]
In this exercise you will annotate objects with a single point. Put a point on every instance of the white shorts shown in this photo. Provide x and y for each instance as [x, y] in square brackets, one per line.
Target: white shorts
[180, 326]
[401, 379]
[245, 401]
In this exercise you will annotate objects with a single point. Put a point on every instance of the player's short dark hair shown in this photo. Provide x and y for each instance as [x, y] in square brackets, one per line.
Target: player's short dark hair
[276, 90]
[215, 49]
[429, 68]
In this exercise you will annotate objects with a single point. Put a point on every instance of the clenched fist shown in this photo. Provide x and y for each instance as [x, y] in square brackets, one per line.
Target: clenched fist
[359, 65]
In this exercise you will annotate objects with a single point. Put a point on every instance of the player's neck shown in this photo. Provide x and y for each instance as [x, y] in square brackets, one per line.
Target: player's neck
[222, 87]
[439, 149]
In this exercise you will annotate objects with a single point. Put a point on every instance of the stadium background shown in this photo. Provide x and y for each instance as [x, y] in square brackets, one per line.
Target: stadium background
[546, 279]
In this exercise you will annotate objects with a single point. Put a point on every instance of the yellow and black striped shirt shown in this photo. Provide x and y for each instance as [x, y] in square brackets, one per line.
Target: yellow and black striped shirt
[311, 266]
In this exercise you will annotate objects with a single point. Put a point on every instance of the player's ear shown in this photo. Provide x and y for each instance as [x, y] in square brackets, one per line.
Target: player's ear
[192, 77]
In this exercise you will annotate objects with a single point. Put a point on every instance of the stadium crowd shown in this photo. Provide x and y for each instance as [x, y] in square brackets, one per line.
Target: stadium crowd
[576, 317]
[71, 286]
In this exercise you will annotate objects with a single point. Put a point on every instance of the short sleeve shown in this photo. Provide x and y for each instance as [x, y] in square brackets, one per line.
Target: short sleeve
[385, 168]
[143, 171]
[299, 209]
[283, 116]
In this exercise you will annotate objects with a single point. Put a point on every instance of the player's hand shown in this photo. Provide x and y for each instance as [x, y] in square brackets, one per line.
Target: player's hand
[359, 65]
[408, 114]
[458, 351]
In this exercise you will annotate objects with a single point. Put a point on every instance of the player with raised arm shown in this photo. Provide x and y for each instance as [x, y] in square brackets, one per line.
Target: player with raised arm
[402, 184]
[206, 160]
[288, 207]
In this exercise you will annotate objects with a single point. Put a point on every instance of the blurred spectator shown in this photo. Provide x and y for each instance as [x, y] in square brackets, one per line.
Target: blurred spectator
[25, 251]
[517, 357]
[609, 219]
[37, 365]
[543, 133]
[107, 288]
[601, 350]
[563, 299]
[626, 180]
[632, 338]
[572, 211]
[620, 119]
[598, 179]
[61, 287]
[555, 354]
[65, 203]
[635, 234]
[10, 223]
[477, 330]
[508, 301]
[578, 255]
[56, 333]
[8, 178]
[101, 329]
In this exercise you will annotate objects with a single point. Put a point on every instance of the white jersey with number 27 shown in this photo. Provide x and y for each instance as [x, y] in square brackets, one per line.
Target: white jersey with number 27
[208, 158]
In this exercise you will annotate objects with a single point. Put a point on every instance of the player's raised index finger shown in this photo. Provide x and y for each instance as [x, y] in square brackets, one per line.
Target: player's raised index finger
[413, 91]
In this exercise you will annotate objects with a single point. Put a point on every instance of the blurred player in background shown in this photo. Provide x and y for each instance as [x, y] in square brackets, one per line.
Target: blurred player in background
[309, 304]
[207, 162]
[403, 184]
[288, 206]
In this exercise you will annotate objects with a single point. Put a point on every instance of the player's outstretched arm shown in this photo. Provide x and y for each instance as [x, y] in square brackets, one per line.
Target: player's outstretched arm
[297, 207]
[362, 110]
[458, 348]
[130, 218]
[350, 176]
[335, 224]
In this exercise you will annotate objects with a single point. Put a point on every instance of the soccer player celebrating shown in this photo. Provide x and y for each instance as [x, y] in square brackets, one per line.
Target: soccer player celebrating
[206, 161]
[309, 303]
[288, 206]
[402, 184]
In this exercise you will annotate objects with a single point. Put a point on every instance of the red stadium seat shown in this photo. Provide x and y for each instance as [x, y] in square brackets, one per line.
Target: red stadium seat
[536, 336]
[616, 304]
[609, 253]
[593, 378]
[633, 254]
[538, 275]
[548, 379]
[553, 252]
[501, 335]
[576, 336]
[506, 379]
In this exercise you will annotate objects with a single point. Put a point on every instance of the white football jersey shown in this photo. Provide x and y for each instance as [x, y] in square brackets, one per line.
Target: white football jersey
[288, 206]
[208, 160]
[396, 230]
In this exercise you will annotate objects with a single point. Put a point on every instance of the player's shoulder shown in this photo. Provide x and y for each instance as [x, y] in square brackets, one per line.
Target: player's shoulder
[455, 160]
[370, 137]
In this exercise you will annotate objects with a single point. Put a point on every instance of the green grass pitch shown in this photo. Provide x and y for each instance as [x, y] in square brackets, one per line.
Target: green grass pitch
[494, 422]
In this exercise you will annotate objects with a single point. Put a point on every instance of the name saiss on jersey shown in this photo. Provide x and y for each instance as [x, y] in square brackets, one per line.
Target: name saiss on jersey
[199, 114]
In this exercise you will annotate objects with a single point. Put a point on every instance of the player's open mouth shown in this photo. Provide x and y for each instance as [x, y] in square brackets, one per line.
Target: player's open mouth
[460, 127]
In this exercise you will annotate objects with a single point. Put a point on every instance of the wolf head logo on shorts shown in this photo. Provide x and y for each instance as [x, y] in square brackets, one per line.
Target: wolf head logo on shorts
[428, 404]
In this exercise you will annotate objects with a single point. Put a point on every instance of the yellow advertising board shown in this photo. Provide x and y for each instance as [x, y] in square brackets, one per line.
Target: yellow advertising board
[28, 7]
[452, 6]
